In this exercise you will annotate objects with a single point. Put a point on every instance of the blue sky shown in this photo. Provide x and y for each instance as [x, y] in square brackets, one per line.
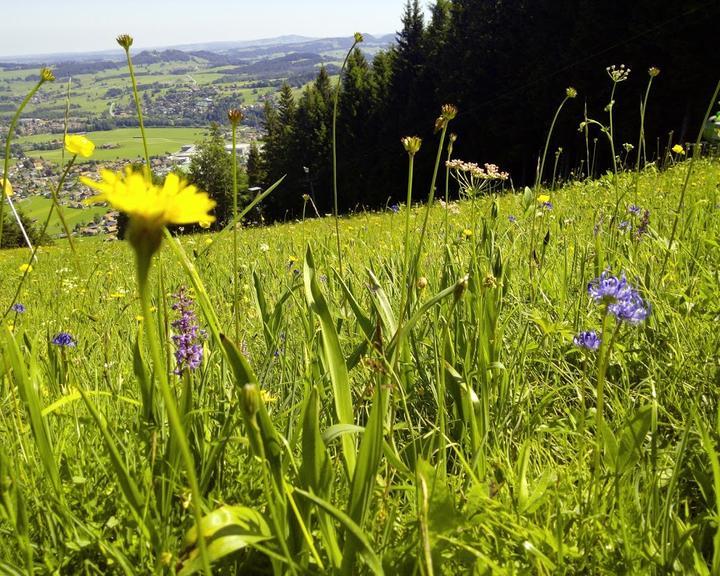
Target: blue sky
[49, 26]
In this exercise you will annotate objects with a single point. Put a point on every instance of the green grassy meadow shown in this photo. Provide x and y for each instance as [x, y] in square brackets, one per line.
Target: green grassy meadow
[37, 207]
[126, 143]
[345, 420]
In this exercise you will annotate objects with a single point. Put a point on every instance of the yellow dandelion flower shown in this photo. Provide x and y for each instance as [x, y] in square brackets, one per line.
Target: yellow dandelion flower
[678, 149]
[467, 233]
[25, 268]
[149, 205]
[8, 189]
[208, 241]
[139, 318]
[543, 198]
[79, 145]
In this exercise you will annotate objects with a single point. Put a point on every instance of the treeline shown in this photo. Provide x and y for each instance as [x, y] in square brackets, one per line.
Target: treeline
[505, 64]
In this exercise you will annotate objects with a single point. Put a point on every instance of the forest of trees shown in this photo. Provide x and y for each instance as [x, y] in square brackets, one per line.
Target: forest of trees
[506, 65]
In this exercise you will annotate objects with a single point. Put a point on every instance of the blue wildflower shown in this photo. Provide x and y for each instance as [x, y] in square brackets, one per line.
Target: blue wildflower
[395, 208]
[18, 308]
[588, 340]
[512, 219]
[188, 337]
[634, 209]
[622, 300]
[547, 205]
[608, 288]
[631, 309]
[625, 225]
[64, 340]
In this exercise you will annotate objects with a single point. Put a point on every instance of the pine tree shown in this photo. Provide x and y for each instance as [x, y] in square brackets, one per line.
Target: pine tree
[256, 173]
[211, 171]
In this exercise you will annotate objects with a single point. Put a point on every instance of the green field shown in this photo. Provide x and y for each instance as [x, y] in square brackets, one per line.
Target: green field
[37, 208]
[353, 414]
[161, 141]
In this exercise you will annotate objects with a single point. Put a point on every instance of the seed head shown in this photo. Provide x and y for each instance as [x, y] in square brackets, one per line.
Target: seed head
[358, 37]
[422, 283]
[461, 286]
[653, 71]
[125, 41]
[46, 75]
[411, 144]
[570, 92]
[235, 116]
[448, 112]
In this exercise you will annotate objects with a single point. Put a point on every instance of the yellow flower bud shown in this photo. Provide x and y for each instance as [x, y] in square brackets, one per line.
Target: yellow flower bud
[235, 116]
[125, 41]
[411, 144]
[46, 75]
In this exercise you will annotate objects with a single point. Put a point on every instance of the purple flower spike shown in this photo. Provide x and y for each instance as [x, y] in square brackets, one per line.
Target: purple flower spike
[588, 340]
[188, 336]
[64, 340]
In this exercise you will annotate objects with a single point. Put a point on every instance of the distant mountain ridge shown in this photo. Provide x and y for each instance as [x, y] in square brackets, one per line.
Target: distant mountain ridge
[217, 53]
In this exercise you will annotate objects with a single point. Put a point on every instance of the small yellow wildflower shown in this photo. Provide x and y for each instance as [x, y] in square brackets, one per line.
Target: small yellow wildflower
[25, 268]
[117, 295]
[543, 198]
[139, 318]
[467, 233]
[8, 189]
[678, 149]
[208, 241]
[152, 206]
[79, 145]
[267, 397]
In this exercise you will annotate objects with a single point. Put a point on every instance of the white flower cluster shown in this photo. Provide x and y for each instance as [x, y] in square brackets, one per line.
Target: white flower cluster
[490, 172]
[618, 73]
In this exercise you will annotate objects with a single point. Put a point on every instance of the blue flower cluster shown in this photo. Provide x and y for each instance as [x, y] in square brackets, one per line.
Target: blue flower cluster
[18, 308]
[64, 340]
[621, 299]
[188, 336]
[589, 340]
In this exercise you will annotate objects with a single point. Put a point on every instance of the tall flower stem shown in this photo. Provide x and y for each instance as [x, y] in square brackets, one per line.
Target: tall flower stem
[603, 362]
[408, 204]
[235, 116]
[428, 207]
[144, 253]
[569, 93]
[358, 39]
[42, 233]
[447, 183]
[136, 95]
[45, 75]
